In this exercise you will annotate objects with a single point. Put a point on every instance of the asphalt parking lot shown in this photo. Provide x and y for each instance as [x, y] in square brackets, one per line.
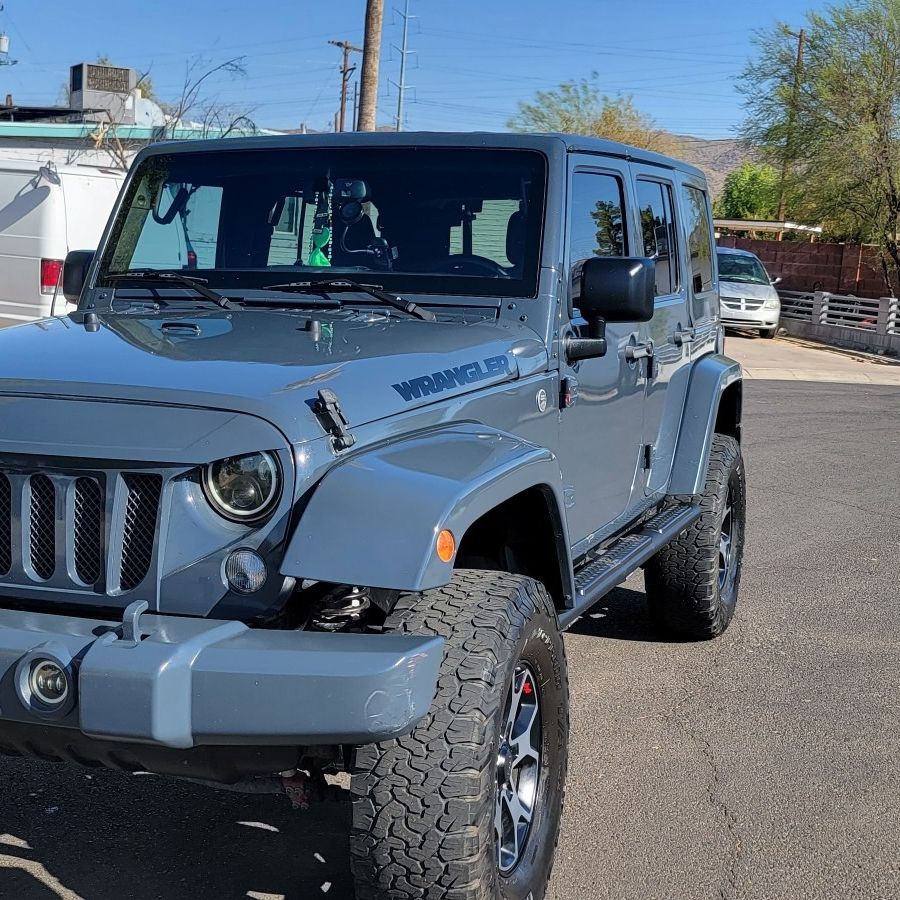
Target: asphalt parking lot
[765, 764]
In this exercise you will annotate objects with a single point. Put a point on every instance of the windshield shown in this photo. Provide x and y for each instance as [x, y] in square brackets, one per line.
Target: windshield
[743, 269]
[429, 220]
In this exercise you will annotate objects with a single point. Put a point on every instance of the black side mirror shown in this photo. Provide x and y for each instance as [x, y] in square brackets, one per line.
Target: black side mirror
[612, 289]
[75, 273]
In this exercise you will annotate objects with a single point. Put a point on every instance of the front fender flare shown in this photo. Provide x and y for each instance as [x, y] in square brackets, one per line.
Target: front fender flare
[373, 519]
[711, 376]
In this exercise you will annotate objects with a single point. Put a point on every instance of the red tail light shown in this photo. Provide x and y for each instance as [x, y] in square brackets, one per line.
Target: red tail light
[51, 273]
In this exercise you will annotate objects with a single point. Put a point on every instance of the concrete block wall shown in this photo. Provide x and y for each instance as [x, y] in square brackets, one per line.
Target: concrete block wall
[812, 266]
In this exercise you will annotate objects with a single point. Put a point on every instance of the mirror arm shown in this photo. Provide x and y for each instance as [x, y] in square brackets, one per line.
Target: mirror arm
[588, 347]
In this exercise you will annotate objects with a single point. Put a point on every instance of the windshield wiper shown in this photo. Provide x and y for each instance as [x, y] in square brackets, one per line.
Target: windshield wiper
[189, 281]
[375, 291]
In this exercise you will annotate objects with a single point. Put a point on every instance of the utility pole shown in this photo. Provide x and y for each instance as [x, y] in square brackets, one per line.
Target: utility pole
[346, 71]
[368, 89]
[403, 51]
[787, 156]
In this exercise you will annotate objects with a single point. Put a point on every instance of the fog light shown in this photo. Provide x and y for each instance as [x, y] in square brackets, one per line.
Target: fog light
[48, 682]
[245, 571]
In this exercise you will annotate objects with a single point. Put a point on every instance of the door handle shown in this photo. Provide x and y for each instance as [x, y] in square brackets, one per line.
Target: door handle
[634, 352]
[685, 336]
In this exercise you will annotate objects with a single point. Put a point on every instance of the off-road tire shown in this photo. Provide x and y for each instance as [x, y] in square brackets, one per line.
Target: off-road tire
[768, 333]
[423, 805]
[684, 593]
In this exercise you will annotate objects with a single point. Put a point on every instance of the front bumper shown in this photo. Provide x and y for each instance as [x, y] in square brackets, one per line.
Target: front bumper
[181, 683]
[748, 318]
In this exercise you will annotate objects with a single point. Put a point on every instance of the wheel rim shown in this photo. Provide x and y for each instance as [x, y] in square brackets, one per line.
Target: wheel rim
[726, 542]
[518, 768]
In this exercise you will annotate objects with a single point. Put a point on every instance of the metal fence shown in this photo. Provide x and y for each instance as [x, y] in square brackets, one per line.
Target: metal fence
[841, 319]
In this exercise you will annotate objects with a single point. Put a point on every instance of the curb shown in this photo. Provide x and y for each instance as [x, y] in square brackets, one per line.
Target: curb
[858, 355]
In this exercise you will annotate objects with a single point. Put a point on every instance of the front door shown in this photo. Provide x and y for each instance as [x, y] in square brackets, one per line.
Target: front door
[602, 399]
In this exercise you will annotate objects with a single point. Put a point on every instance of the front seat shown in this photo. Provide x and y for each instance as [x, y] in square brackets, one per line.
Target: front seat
[515, 242]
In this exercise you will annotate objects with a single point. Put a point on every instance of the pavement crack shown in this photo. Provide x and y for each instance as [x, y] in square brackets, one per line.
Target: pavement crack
[832, 500]
[728, 888]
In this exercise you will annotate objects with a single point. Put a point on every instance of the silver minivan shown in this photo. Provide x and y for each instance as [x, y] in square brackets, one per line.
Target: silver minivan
[747, 294]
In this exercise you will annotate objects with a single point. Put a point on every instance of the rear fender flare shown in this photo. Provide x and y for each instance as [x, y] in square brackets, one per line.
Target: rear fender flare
[374, 518]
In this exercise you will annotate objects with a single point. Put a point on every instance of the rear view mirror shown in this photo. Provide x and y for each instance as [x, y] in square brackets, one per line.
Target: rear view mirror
[611, 289]
[176, 206]
[776, 280]
[75, 273]
[618, 288]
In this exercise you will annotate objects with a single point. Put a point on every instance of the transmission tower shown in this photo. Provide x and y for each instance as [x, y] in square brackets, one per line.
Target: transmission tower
[404, 51]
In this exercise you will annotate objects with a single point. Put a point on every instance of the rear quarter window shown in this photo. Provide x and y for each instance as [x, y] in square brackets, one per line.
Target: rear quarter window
[698, 226]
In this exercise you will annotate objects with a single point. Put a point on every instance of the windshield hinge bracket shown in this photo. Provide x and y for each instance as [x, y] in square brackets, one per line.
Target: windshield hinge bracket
[328, 410]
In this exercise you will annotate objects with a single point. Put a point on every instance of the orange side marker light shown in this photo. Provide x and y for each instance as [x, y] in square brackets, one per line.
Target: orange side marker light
[445, 546]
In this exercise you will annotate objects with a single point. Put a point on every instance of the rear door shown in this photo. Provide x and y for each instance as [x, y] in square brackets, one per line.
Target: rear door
[656, 191]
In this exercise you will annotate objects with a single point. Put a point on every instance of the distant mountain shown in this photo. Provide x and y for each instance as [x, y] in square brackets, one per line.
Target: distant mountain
[716, 158]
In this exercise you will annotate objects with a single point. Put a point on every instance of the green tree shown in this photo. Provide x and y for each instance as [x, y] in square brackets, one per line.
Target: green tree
[750, 192]
[610, 231]
[834, 121]
[579, 107]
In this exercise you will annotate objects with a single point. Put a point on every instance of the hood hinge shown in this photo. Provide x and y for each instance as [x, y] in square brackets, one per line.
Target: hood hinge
[328, 410]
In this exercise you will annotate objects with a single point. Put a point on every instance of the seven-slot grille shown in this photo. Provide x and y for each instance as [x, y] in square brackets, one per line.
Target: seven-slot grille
[62, 530]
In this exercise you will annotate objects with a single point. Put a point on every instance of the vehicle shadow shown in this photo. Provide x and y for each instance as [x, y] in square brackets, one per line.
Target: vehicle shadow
[622, 614]
[76, 834]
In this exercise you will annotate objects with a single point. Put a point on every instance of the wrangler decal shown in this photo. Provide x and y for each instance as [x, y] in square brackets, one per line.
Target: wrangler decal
[451, 378]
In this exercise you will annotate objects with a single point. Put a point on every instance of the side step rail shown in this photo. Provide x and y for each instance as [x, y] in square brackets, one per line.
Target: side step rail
[615, 563]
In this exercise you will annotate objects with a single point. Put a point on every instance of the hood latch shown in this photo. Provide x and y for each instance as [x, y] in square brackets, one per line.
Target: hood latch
[328, 410]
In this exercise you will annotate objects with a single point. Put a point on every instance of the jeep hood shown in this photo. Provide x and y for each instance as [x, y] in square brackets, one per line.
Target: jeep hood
[265, 362]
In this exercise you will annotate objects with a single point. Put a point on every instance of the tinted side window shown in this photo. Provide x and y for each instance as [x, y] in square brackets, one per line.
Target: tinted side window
[655, 204]
[490, 232]
[699, 233]
[596, 221]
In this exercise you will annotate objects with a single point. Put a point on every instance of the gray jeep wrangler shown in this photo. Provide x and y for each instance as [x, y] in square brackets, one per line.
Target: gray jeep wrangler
[344, 431]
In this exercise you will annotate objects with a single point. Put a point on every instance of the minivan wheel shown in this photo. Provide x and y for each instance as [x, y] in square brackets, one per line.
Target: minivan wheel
[468, 806]
[692, 583]
[768, 333]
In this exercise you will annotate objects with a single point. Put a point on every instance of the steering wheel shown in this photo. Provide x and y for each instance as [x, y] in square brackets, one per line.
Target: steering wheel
[469, 264]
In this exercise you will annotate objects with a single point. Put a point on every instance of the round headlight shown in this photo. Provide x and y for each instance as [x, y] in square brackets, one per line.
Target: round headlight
[243, 488]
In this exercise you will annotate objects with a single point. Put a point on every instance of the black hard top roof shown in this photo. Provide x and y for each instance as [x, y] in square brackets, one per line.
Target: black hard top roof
[547, 143]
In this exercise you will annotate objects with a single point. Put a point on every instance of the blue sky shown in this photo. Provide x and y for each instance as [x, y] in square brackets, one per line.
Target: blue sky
[474, 58]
